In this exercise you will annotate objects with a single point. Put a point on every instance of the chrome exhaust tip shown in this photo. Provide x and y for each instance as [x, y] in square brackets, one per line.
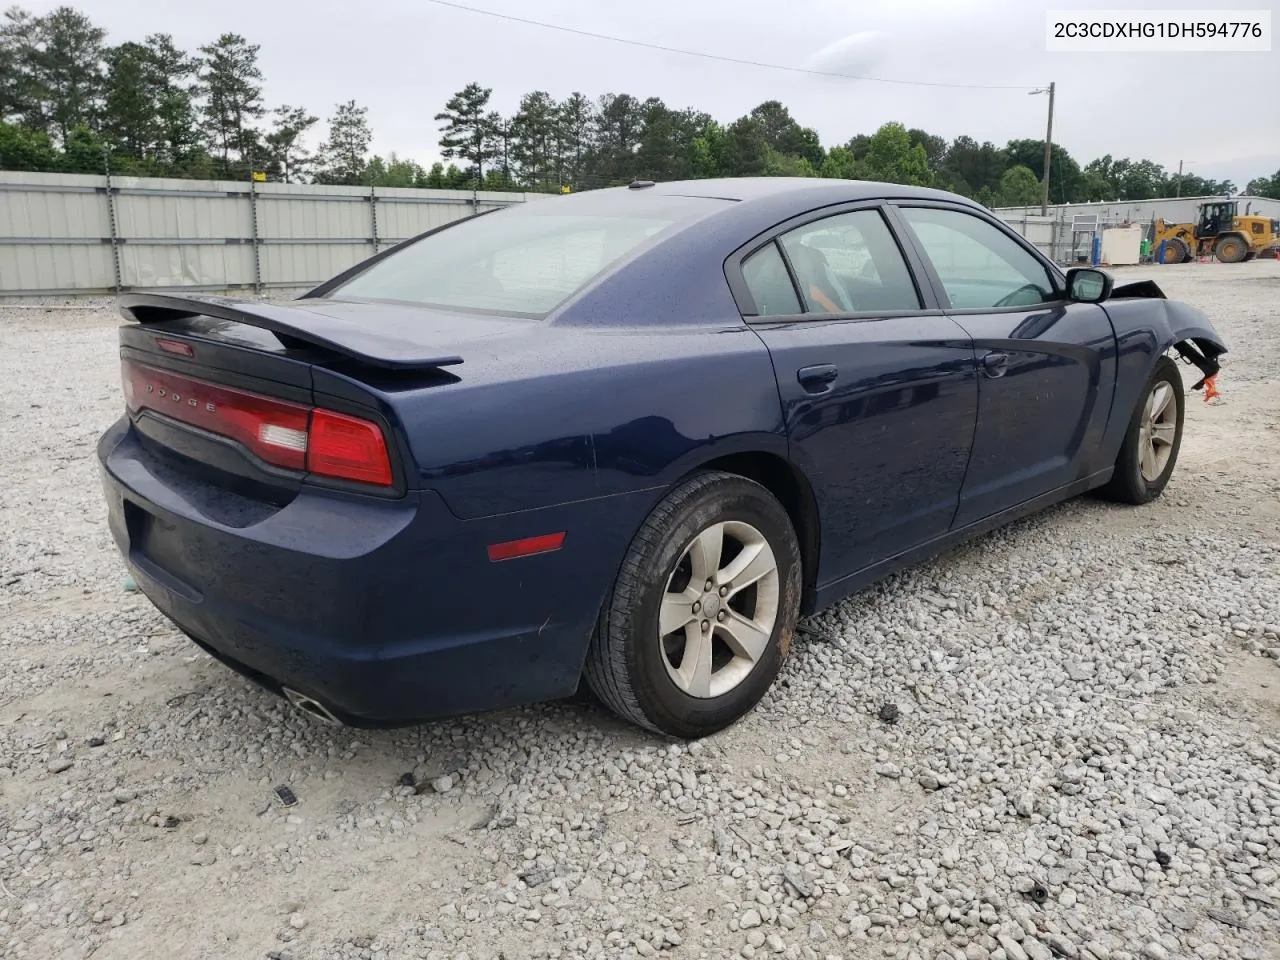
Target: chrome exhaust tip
[312, 708]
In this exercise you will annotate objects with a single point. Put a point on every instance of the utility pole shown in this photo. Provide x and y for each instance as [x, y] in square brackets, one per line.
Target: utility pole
[1048, 145]
[1178, 189]
[1048, 157]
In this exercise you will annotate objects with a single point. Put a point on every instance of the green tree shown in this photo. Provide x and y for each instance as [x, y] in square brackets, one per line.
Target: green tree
[577, 122]
[233, 95]
[344, 156]
[935, 147]
[666, 149]
[1018, 188]
[841, 164]
[174, 89]
[746, 150]
[707, 150]
[1098, 179]
[1142, 180]
[969, 167]
[535, 139]
[1066, 182]
[892, 159]
[19, 55]
[396, 172]
[149, 110]
[130, 122]
[286, 155]
[503, 147]
[468, 131]
[784, 135]
[787, 165]
[1265, 186]
[456, 179]
[1191, 185]
[619, 126]
[67, 75]
[24, 149]
[435, 177]
[858, 146]
[82, 152]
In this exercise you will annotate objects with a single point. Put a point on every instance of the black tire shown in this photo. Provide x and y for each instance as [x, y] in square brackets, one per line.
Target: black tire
[1176, 251]
[625, 665]
[1127, 484]
[1231, 249]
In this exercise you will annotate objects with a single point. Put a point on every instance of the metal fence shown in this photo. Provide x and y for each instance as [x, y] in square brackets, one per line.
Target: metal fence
[74, 234]
[1172, 209]
[1050, 234]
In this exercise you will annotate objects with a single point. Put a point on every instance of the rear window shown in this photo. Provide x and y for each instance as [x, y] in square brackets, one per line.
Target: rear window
[523, 260]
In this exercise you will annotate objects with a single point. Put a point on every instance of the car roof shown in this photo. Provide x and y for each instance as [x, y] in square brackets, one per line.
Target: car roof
[746, 189]
[681, 278]
[778, 193]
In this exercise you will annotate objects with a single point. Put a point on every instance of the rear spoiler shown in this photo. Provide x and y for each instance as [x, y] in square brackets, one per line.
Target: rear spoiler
[292, 325]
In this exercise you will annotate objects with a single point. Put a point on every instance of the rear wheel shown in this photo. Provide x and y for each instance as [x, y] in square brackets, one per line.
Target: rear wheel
[1231, 249]
[1150, 448]
[703, 612]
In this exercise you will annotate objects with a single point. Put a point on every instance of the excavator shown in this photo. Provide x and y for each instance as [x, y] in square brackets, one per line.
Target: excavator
[1221, 231]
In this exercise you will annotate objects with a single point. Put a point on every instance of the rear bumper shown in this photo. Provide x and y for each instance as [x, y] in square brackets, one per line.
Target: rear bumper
[387, 613]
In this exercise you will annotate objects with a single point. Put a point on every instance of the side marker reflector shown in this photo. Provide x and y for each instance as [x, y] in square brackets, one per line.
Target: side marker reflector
[526, 547]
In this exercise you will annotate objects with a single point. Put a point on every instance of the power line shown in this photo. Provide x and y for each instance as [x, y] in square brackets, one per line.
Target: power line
[713, 56]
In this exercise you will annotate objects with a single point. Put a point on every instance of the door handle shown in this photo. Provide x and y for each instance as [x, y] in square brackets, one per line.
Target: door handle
[817, 378]
[995, 364]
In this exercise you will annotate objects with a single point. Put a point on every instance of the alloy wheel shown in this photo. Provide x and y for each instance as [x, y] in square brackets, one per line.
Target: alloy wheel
[719, 609]
[1158, 431]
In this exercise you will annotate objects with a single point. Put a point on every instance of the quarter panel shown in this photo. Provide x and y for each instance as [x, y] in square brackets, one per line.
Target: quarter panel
[571, 414]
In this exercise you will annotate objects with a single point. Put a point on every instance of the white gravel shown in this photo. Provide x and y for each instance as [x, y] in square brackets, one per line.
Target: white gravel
[1085, 761]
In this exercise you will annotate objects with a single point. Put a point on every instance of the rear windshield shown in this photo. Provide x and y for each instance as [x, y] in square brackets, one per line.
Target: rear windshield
[527, 259]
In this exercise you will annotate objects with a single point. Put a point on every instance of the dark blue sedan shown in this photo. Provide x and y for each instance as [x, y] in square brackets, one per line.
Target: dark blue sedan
[627, 436]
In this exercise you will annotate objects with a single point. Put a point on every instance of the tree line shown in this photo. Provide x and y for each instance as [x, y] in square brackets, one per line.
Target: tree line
[70, 102]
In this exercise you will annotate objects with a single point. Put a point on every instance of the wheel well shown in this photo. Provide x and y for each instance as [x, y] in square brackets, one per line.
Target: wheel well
[793, 491]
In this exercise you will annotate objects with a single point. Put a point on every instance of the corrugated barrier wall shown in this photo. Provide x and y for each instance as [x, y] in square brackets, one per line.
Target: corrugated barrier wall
[76, 234]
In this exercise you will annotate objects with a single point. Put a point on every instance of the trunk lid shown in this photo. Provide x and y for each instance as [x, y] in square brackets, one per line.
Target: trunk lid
[252, 396]
[386, 336]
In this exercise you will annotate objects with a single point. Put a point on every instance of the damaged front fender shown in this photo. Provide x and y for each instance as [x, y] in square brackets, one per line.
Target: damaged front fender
[1195, 340]
[1177, 326]
[1203, 354]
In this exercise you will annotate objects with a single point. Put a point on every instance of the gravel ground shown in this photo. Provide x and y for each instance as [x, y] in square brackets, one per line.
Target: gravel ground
[1085, 760]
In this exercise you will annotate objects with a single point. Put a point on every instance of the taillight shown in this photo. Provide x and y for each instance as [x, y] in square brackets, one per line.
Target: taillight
[274, 430]
[290, 435]
[348, 448]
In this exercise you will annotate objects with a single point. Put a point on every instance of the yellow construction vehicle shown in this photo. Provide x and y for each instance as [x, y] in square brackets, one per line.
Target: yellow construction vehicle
[1220, 231]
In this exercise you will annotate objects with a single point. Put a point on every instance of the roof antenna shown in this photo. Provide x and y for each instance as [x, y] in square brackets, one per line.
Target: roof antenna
[640, 184]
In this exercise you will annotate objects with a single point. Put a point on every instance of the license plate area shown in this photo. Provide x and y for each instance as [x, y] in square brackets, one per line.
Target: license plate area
[156, 548]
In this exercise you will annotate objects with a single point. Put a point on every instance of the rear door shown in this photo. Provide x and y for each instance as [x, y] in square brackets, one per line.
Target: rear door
[1047, 366]
[879, 388]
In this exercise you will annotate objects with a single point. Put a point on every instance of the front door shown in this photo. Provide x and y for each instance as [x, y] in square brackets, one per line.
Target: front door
[879, 395]
[1047, 366]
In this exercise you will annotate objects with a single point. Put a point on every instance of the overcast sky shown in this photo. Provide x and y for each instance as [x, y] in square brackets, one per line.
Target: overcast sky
[403, 58]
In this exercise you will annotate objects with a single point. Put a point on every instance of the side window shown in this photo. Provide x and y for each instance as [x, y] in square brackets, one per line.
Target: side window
[850, 263]
[770, 285]
[978, 264]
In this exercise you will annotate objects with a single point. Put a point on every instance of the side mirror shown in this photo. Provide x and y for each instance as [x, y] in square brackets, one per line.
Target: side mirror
[1086, 285]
